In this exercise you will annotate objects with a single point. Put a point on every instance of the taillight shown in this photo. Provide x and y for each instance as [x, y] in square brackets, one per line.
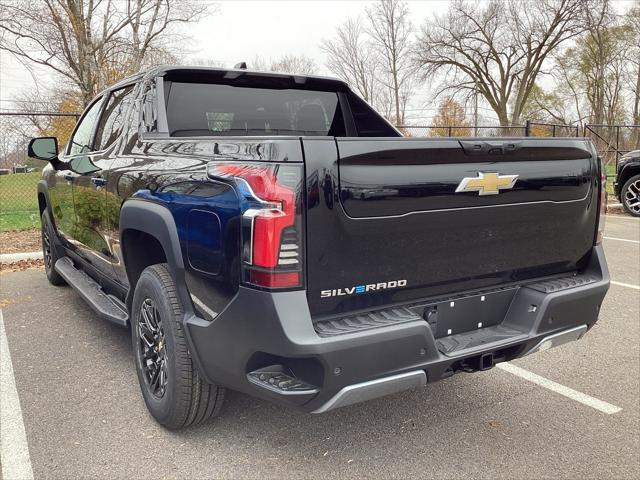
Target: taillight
[603, 200]
[271, 223]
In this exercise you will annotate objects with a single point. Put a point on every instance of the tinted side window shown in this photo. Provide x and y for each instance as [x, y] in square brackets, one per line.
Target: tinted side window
[368, 122]
[81, 140]
[113, 117]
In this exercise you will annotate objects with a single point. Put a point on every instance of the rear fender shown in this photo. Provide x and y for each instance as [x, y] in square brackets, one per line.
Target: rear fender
[157, 221]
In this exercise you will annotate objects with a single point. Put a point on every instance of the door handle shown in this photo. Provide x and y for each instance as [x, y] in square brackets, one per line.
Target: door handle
[98, 181]
[69, 177]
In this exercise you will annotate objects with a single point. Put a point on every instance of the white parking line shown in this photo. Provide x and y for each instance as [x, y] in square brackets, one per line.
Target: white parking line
[621, 239]
[14, 449]
[583, 398]
[628, 285]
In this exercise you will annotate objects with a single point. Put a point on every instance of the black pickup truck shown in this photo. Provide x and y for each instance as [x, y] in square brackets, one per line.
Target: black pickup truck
[274, 235]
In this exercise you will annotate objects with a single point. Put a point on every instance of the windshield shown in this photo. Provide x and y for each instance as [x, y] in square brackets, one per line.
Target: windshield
[208, 109]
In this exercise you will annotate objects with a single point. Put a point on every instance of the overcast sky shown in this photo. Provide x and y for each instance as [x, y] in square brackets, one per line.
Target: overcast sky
[244, 29]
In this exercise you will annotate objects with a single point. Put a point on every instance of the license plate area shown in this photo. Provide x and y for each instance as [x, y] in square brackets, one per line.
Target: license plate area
[465, 314]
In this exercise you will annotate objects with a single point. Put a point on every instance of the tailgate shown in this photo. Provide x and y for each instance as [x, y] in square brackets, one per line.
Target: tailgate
[393, 220]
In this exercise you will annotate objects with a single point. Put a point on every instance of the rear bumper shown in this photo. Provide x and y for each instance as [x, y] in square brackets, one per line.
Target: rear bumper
[259, 329]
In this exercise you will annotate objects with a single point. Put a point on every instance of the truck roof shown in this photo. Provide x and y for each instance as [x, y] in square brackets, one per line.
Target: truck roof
[234, 74]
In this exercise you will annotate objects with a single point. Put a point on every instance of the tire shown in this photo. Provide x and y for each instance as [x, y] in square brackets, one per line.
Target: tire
[49, 252]
[175, 394]
[630, 196]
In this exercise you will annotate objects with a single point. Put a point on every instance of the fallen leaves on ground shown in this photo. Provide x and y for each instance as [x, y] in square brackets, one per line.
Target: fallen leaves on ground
[18, 241]
[20, 265]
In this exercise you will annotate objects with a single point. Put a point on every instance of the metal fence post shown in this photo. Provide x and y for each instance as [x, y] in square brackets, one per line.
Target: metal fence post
[527, 128]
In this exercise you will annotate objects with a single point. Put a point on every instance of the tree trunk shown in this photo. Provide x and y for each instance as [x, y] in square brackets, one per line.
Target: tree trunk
[396, 92]
[636, 111]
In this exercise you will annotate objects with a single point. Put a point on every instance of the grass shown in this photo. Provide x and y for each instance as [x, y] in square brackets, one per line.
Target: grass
[611, 177]
[19, 201]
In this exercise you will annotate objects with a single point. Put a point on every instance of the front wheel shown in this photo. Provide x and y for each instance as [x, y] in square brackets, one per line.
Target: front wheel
[173, 391]
[630, 196]
[49, 253]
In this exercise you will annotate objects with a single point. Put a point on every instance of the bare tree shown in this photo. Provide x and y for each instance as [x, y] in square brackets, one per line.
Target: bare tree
[632, 22]
[594, 75]
[390, 30]
[259, 63]
[549, 106]
[597, 63]
[497, 48]
[295, 64]
[289, 63]
[202, 62]
[351, 58]
[91, 42]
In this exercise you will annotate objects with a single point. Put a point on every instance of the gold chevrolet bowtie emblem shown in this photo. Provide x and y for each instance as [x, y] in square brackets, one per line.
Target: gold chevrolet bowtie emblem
[487, 183]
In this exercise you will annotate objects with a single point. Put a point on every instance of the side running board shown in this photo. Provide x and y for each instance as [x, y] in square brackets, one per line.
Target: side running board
[105, 306]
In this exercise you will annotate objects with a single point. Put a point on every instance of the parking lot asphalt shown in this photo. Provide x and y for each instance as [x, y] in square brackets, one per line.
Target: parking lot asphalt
[84, 416]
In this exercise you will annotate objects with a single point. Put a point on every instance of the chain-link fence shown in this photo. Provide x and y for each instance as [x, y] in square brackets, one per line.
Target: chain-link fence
[529, 129]
[19, 174]
[462, 131]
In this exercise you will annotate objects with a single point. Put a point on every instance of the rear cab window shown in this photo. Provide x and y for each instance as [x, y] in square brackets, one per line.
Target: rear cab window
[231, 103]
[203, 109]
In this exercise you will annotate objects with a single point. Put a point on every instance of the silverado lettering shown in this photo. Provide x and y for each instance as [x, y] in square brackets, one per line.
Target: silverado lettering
[363, 288]
[214, 212]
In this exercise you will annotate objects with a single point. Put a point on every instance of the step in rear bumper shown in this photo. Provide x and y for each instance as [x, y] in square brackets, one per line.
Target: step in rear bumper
[259, 327]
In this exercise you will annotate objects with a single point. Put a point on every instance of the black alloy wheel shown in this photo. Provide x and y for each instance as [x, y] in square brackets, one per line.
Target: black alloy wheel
[631, 196]
[152, 349]
[175, 393]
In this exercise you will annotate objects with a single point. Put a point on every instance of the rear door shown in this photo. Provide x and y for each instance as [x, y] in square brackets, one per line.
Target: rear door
[395, 220]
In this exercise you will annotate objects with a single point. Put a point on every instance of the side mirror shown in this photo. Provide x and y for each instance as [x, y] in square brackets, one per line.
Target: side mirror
[44, 148]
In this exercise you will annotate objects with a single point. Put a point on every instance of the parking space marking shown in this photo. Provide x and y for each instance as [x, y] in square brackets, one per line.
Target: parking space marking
[622, 239]
[561, 389]
[628, 285]
[14, 449]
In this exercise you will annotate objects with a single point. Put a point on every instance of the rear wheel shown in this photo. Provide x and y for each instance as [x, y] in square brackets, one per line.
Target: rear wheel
[173, 391]
[630, 196]
[49, 253]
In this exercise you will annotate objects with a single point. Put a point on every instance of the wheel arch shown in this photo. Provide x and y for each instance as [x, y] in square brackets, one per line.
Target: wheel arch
[43, 198]
[148, 235]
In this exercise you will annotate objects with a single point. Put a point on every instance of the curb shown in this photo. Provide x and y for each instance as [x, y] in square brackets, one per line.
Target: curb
[15, 257]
